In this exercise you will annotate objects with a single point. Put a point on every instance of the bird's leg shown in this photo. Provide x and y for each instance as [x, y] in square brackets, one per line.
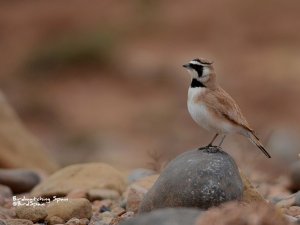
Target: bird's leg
[222, 141]
[210, 143]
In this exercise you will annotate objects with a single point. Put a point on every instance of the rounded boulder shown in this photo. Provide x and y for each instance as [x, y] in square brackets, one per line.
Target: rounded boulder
[196, 178]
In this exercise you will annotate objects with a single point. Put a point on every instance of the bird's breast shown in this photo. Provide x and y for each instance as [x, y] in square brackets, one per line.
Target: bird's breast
[197, 108]
[204, 116]
[200, 115]
[196, 93]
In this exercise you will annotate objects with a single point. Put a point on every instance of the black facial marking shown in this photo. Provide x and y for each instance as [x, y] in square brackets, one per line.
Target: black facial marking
[196, 83]
[203, 61]
[198, 68]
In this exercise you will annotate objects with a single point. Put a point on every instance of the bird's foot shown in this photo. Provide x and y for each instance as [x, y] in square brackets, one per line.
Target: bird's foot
[208, 147]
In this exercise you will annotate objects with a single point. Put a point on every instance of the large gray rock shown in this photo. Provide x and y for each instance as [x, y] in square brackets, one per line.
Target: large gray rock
[169, 216]
[196, 178]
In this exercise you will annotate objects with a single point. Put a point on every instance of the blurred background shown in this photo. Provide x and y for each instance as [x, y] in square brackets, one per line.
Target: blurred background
[103, 81]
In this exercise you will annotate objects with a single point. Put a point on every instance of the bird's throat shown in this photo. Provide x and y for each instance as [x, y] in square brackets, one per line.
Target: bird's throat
[196, 83]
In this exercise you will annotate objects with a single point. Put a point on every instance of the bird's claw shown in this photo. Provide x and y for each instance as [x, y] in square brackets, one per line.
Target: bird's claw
[208, 147]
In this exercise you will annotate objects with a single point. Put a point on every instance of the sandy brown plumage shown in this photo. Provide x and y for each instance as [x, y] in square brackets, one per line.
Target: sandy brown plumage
[222, 105]
[213, 108]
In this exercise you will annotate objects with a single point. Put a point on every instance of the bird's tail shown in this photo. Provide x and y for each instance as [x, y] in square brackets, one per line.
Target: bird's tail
[254, 139]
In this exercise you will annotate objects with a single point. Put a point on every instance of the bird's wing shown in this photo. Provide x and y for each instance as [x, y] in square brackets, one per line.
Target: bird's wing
[223, 105]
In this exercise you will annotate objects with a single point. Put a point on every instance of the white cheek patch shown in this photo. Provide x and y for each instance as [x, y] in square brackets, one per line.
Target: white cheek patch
[205, 74]
[206, 71]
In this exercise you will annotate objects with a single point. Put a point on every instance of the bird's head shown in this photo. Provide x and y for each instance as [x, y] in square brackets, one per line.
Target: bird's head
[200, 69]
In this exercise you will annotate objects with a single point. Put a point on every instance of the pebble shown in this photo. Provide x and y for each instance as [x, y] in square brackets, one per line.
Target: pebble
[79, 208]
[19, 180]
[136, 192]
[291, 200]
[135, 196]
[104, 209]
[104, 205]
[55, 220]
[106, 217]
[95, 219]
[121, 218]
[238, 214]
[17, 222]
[34, 214]
[292, 219]
[84, 176]
[117, 211]
[76, 221]
[293, 211]
[285, 203]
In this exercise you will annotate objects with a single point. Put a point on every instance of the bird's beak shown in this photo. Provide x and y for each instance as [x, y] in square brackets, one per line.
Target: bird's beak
[186, 66]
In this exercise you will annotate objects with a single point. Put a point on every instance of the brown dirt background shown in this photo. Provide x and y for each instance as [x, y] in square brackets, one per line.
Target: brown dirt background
[132, 100]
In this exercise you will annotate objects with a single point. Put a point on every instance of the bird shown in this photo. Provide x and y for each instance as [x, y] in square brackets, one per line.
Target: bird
[211, 107]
